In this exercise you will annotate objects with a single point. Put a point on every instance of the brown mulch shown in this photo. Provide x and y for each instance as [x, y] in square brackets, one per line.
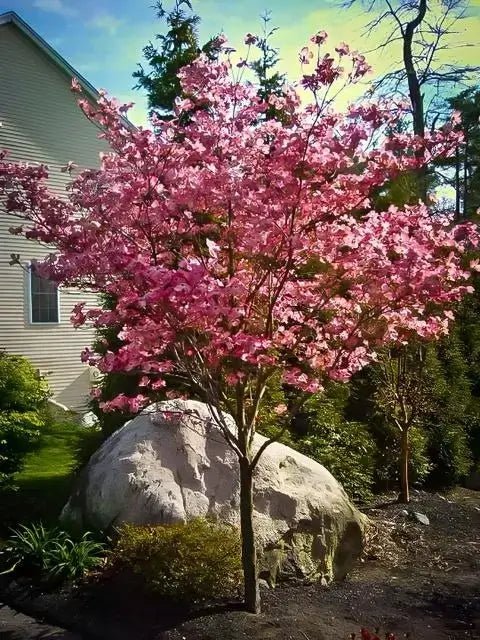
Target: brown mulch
[418, 579]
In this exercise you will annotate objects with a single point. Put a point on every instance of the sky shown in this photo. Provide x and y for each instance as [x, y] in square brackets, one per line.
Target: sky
[103, 39]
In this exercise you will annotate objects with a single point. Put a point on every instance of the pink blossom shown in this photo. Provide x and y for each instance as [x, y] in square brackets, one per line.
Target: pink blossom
[240, 247]
[319, 38]
[305, 55]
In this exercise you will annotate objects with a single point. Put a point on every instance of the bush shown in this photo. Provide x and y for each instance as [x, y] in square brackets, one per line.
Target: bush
[21, 388]
[50, 553]
[449, 450]
[386, 463]
[345, 448]
[23, 397]
[184, 562]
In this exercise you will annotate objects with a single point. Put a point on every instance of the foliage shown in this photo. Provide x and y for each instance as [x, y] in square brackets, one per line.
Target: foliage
[270, 81]
[112, 383]
[23, 396]
[19, 434]
[235, 248]
[345, 448]
[462, 172]
[28, 548]
[72, 559]
[87, 444]
[185, 562]
[177, 48]
[51, 553]
[21, 388]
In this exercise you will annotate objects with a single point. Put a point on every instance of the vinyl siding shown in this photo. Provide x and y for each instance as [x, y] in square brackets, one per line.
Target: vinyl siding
[41, 123]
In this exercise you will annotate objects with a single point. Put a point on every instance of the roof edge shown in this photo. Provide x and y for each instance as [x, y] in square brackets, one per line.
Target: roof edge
[11, 17]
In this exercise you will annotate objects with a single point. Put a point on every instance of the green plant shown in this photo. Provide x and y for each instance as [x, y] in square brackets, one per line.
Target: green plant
[23, 396]
[345, 448]
[28, 548]
[50, 553]
[184, 561]
[21, 388]
[19, 434]
[69, 559]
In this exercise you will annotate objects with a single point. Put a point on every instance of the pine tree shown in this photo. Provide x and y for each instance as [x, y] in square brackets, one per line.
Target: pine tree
[176, 48]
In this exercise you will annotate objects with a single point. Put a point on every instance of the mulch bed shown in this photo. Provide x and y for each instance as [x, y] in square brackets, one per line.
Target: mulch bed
[420, 579]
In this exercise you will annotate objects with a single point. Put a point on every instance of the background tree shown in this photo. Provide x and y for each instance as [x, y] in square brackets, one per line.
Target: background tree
[422, 31]
[178, 47]
[463, 171]
[235, 251]
[402, 395]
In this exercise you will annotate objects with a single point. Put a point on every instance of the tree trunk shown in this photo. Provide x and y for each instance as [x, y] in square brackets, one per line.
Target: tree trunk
[457, 185]
[415, 90]
[249, 552]
[404, 496]
[465, 177]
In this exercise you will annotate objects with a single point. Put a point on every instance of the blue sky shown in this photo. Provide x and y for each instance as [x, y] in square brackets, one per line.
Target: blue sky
[103, 39]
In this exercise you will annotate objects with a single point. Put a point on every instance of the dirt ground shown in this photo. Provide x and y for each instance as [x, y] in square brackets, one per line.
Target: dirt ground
[417, 579]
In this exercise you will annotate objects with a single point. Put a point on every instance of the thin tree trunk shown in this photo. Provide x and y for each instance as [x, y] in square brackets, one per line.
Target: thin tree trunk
[465, 177]
[415, 90]
[249, 552]
[404, 460]
[457, 185]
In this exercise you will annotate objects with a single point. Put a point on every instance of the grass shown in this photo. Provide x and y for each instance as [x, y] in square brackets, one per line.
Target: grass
[45, 483]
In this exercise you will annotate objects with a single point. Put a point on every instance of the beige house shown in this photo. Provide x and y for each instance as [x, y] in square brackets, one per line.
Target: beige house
[41, 123]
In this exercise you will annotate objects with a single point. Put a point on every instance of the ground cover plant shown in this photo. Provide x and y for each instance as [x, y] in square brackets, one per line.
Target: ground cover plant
[240, 249]
[50, 554]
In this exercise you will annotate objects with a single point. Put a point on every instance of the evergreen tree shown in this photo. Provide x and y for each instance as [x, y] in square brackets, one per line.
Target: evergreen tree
[176, 48]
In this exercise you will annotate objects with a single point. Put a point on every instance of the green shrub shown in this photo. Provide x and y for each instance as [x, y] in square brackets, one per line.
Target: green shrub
[345, 448]
[90, 439]
[21, 388]
[19, 434]
[450, 453]
[50, 553]
[386, 462]
[23, 397]
[184, 562]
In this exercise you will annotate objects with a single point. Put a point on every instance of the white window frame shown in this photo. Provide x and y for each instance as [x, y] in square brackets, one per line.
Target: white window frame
[30, 305]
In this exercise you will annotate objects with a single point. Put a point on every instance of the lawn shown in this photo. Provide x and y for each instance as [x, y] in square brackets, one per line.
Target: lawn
[44, 484]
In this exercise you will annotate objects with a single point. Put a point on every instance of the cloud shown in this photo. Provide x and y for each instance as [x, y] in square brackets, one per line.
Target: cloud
[106, 22]
[55, 6]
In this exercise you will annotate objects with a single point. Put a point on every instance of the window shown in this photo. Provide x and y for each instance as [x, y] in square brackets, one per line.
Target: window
[43, 299]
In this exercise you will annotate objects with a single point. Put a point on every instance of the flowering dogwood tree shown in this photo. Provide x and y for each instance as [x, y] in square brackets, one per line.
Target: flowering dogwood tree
[240, 249]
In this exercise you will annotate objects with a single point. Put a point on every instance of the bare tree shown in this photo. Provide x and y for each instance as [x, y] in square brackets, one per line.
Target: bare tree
[403, 397]
[423, 30]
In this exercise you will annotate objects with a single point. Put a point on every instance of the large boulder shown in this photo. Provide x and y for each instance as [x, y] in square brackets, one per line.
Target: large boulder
[171, 463]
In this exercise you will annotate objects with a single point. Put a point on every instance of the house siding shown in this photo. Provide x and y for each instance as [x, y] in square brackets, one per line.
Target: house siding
[41, 123]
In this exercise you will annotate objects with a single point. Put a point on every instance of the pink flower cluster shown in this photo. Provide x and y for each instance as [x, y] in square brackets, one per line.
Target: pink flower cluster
[246, 245]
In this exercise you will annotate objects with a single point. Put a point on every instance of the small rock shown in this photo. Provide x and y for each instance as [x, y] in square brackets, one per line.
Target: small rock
[420, 517]
[89, 420]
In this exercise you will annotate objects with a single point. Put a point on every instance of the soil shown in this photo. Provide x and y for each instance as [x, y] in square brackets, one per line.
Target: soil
[417, 579]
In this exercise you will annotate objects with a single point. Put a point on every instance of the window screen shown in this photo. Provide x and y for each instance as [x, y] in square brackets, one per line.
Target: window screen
[43, 299]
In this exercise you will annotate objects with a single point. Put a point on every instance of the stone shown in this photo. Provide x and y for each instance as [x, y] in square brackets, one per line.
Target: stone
[171, 463]
[89, 420]
[420, 517]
